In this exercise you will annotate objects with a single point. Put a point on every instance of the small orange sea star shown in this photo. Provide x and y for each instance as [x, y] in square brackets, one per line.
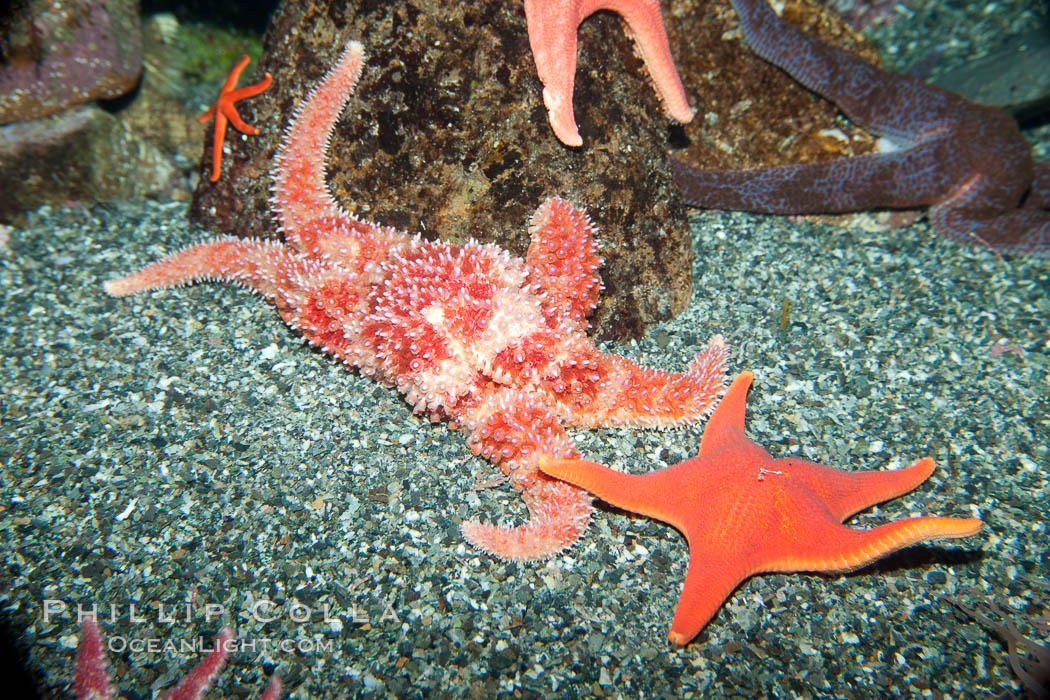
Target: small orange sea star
[745, 513]
[225, 109]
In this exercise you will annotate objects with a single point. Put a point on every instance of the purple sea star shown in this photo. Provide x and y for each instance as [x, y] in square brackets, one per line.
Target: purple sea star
[969, 163]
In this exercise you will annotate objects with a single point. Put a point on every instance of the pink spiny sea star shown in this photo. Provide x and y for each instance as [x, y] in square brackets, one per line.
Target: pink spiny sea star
[493, 344]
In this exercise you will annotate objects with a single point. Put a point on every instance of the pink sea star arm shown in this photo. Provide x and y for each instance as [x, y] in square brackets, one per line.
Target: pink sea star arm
[300, 193]
[510, 428]
[552, 36]
[91, 679]
[311, 219]
[601, 389]
[969, 162]
[254, 263]
[313, 296]
[195, 683]
[563, 260]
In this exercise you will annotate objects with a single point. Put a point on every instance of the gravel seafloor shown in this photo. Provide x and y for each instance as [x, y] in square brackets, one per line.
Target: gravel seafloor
[185, 445]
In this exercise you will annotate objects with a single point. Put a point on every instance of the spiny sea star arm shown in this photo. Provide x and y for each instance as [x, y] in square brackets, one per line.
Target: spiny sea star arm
[312, 296]
[563, 259]
[601, 389]
[91, 679]
[252, 262]
[511, 430]
[199, 679]
[311, 219]
[552, 37]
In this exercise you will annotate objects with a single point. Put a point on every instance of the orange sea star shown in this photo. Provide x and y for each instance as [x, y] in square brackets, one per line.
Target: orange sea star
[492, 343]
[552, 37]
[744, 513]
[225, 109]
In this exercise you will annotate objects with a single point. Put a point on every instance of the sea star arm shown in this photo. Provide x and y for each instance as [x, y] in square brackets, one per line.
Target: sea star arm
[552, 36]
[225, 109]
[825, 187]
[1039, 195]
[310, 218]
[252, 262]
[563, 260]
[91, 680]
[969, 161]
[637, 493]
[313, 296]
[846, 493]
[600, 389]
[511, 429]
[967, 217]
[897, 106]
[715, 571]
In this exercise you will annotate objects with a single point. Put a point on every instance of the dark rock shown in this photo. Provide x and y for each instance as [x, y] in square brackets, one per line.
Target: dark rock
[89, 154]
[83, 154]
[1013, 77]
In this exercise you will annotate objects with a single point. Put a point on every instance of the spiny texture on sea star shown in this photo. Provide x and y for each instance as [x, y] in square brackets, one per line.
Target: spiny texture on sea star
[552, 37]
[744, 513]
[968, 162]
[225, 109]
[91, 680]
[471, 334]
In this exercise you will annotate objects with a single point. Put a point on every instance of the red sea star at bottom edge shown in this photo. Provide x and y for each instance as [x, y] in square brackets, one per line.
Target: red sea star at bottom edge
[470, 334]
[745, 513]
[91, 679]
